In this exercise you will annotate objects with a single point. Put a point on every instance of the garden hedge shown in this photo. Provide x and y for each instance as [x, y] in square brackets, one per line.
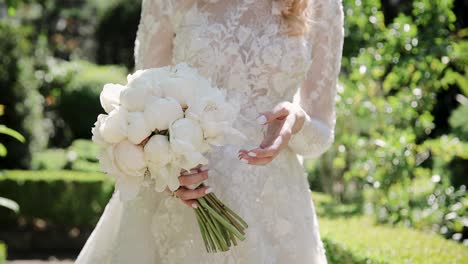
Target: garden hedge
[70, 198]
[356, 240]
[60, 198]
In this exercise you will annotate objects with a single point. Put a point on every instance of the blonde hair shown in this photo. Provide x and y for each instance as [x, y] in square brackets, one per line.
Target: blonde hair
[295, 17]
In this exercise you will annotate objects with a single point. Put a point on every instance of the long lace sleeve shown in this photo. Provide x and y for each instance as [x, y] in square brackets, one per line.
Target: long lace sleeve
[153, 45]
[317, 94]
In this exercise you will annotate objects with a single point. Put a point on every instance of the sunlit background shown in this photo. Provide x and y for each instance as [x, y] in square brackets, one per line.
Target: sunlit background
[392, 189]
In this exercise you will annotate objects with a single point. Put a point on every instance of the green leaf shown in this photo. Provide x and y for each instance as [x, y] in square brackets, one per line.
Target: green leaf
[451, 78]
[10, 204]
[3, 150]
[10, 132]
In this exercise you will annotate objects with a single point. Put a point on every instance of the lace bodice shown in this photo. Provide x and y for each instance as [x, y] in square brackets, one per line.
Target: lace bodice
[243, 47]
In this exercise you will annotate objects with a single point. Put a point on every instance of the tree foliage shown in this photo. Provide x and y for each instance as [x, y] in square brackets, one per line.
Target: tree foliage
[401, 81]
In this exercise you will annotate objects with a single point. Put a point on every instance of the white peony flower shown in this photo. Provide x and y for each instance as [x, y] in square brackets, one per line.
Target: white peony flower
[165, 177]
[133, 98]
[161, 112]
[140, 80]
[113, 128]
[127, 185]
[154, 73]
[164, 171]
[149, 79]
[186, 139]
[134, 75]
[130, 159]
[137, 129]
[110, 96]
[97, 138]
[179, 88]
[107, 162]
[157, 150]
[215, 115]
[187, 131]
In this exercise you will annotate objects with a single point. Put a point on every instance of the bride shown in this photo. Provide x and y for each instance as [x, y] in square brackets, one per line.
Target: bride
[279, 59]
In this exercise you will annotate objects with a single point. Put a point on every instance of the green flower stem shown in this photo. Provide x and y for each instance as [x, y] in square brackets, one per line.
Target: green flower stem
[229, 210]
[220, 226]
[233, 238]
[210, 232]
[219, 230]
[203, 231]
[222, 220]
[221, 238]
[216, 223]
[222, 231]
[225, 213]
[217, 237]
[228, 236]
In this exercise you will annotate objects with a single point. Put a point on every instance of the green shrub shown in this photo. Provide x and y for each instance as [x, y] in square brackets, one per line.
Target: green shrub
[50, 159]
[80, 156]
[401, 78]
[3, 252]
[85, 150]
[85, 166]
[61, 198]
[326, 206]
[426, 204]
[357, 240]
[72, 90]
[339, 253]
[19, 94]
[79, 102]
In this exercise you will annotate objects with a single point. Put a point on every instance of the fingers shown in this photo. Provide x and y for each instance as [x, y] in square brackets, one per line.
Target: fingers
[279, 112]
[275, 141]
[189, 181]
[193, 170]
[270, 147]
[250, 159]
[187, 194]
[194, 178]
[256, 161]
[191, 203]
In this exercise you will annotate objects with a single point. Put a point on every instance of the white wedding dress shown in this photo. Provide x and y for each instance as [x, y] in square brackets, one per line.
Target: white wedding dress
[242, 47]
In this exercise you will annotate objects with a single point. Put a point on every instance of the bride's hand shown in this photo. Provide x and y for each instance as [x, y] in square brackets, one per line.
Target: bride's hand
[188, 181]
[283, 121]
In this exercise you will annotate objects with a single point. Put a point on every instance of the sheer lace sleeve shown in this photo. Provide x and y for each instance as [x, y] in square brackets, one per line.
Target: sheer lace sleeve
[153, 45]
[317, 94]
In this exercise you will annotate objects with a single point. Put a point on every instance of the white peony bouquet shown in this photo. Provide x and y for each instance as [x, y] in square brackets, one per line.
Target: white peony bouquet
[164, 121]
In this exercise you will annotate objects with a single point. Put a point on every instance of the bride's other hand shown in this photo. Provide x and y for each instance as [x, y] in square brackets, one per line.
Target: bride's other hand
[283, 121]
[189, 180]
